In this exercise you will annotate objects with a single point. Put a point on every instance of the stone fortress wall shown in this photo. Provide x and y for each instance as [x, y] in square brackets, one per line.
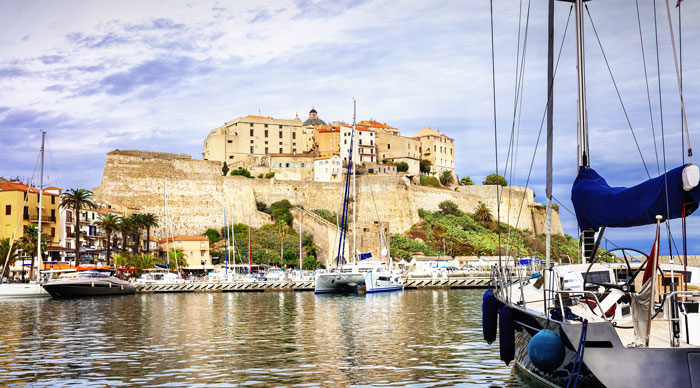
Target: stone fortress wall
[198, 194]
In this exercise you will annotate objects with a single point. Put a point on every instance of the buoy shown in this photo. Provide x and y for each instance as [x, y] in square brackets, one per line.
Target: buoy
[546, 350]
[489, 316]
[507, 334]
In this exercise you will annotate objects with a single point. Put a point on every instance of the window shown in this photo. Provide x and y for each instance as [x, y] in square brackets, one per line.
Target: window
[251, 149]
[280, 134]
[266, 133]
[8, 210]
[53, 200]
[388, 146]
[230, 141]
[251, 124]
[294, 135]
[286, 165]
[280, 127]
[201, 253]
[371, 142]
[265, 125]
[280, 150]
[303, 165]
[252, 141]
[251, 132]
[230, 156]
[435, 148]
[294, 150]
[360, 141]
[265, 150]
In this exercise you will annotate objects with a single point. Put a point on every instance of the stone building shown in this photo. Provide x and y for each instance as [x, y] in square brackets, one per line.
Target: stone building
[245, 141]
[327, 139]
[328, 169]
[366, 148]
[194, 248]
[437, 148]
[292, 167]
[397, 148]
[379, 127]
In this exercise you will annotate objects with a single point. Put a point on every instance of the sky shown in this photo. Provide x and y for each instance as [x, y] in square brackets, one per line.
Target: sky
[157, 75]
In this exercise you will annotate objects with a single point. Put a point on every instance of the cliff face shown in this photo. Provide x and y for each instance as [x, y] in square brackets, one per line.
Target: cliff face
[198, 194]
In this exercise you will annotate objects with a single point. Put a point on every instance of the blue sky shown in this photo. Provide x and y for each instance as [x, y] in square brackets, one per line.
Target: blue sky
[100, 75]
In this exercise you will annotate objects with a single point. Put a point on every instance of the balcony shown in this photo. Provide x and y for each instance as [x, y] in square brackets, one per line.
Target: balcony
[35, 218]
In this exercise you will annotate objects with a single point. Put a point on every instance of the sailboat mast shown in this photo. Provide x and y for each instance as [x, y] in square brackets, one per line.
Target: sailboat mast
[300, 231]
[550, 130]
[354, 183]
[41, 200]
[167, 235]
[584, 155]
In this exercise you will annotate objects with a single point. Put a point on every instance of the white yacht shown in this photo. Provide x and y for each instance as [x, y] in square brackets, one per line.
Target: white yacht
[378, 278]
[345, 280]
[22, 290]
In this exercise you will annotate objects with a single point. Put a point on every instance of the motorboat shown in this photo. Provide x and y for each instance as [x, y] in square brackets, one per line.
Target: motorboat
[157, 276]
[22, 290]
[89, 281]
[378, 278]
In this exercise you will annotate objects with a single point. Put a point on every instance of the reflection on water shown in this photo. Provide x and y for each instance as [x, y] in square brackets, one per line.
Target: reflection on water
[410, 338]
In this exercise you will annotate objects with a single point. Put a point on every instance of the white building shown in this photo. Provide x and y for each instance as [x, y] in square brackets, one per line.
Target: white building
[364, 143]
[328, 169]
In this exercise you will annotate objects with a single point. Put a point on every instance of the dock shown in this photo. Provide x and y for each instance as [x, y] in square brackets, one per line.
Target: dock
[304, 285]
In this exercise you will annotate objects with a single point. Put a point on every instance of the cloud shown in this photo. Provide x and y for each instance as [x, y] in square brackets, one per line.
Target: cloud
[50, 59]
[155, 24]
[96, 41]
[12, 72]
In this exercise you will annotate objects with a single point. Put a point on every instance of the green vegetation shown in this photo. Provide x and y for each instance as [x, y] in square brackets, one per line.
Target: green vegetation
[425, 166]
[7, 251]
[280, 212]
[482, 213]
[242, 172]
[225, 169]
[446, 178]
[466, 181]
[270, 175]
[401, 166]
[427, 180]
[213, 235]
[109, 223]
[449, 208]
[495, 179]
[465, 235]
[326, 214]
[261, 206]
[77, 199]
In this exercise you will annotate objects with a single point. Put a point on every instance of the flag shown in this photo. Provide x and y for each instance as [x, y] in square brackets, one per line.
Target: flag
[678, 4]
[651, 263]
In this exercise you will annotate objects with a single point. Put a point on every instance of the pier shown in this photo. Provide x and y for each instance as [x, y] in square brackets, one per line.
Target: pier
[305, 285]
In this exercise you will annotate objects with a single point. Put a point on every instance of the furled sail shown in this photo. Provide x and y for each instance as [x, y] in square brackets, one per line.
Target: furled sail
[597, 204]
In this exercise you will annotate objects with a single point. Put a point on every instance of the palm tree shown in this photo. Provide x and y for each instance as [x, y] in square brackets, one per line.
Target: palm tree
[149, 221]
[28, 242]
[77, 199]
[482, 212]
[137, 221]
[126, 225]
[8, 255]
[109, 223]
[179, 257]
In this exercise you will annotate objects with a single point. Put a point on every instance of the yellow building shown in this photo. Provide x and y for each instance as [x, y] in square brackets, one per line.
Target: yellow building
[397, 148]
[327, 140]
[293, 167]
[437, 148]
[245, 141]
[195, 249]
[13, 209]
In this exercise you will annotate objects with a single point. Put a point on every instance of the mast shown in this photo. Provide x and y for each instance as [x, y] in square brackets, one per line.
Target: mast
[300, 231]
[584, 155]
[354, 183]
[41, 199]
[550, 129]
[226, 237]
[167, 235]
[249, 252]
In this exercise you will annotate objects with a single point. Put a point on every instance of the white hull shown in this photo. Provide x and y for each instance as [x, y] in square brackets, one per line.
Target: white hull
[337, 282]
[22, 290]
[382, 282]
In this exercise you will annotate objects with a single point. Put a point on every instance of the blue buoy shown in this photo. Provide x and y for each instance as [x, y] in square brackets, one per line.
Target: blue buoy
[489, 316]
[535, 275]
[546, 350]
[507, 334]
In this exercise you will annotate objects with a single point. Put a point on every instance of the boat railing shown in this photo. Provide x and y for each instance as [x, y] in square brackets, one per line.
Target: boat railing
[677, 316]
[569, 292]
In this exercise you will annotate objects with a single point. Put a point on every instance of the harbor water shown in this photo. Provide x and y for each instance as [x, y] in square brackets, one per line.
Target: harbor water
[423, 338]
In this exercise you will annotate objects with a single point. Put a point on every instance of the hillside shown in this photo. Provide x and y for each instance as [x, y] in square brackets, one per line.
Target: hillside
[465, 235]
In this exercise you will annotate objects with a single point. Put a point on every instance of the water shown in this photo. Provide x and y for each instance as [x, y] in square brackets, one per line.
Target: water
[409, 338]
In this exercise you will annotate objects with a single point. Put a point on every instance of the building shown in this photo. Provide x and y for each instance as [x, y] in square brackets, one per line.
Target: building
[194, 248]
[292, 167]
[327, 138]
[380, 169]
[379, 127]
[328, 169]
[396, 148]
[366, 149]
[245, 141]
[437, 148]
[16, 215]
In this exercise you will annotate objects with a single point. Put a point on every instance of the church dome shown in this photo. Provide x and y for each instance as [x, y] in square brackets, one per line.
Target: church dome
[313, 118]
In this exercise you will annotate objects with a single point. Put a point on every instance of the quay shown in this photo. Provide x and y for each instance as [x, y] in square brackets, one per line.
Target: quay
[305, 285]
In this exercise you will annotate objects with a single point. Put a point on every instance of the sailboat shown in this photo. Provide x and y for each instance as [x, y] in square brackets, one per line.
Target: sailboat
[346, 278]
[33, 288]
[596, 324]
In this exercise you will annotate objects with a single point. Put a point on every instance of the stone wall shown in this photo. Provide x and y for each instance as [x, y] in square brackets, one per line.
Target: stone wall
[198, 194]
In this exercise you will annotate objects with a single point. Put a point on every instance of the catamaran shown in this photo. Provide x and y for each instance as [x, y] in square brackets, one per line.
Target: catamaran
[596, 324]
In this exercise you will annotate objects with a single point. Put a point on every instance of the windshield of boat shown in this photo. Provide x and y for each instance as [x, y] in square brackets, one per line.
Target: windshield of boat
[93, 274]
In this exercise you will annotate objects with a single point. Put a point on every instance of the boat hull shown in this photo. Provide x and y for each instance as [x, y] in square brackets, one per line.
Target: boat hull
[22, 290]
[75, 288]
[381, 282]
[337, 283]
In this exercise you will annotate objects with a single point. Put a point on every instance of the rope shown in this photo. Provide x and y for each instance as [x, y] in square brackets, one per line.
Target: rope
[680, 86]
[495, 136]
[619, 97]
[646, 79]
[576, 367]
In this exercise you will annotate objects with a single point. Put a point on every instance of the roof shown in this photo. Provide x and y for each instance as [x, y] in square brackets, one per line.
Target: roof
[360, 128]
[291, 155]
[325, 157]
[259, 117]
[314, 121]
[185, 238]
[430, 132]
[376, 124]
[12, 186]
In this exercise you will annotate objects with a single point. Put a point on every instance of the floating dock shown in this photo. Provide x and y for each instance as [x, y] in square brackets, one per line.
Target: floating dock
[305, 285]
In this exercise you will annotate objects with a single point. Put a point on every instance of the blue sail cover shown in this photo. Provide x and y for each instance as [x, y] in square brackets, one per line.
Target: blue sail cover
[597, 204]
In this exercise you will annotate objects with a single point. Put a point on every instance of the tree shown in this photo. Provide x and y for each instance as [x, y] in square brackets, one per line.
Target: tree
[77, 199]
[241, 171]
[311, 263]
[261, 206]
[149, 221]
[28, 242]
[482, 212]
[8, 255]
[137, 221]
[126, 226]
[495, 179]
[213, 235]
[177, 259]
[446, 178]
[109, 223]
[449, 208]
[290, 258]
[225, 169]
[425, 166]
[280, 212]
[401, 167]
[466, 181]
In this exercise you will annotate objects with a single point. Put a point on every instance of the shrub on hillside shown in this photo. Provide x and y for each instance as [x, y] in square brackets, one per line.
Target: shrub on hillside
[280, 212]
[401, 166]
[449, 208]
[242, 172]
[426, 180]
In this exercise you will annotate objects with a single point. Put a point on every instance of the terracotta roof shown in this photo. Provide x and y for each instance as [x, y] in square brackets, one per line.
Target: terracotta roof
[372, 123]
[258, 117]
[11, 186]
[184, 238]
[291, 155]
